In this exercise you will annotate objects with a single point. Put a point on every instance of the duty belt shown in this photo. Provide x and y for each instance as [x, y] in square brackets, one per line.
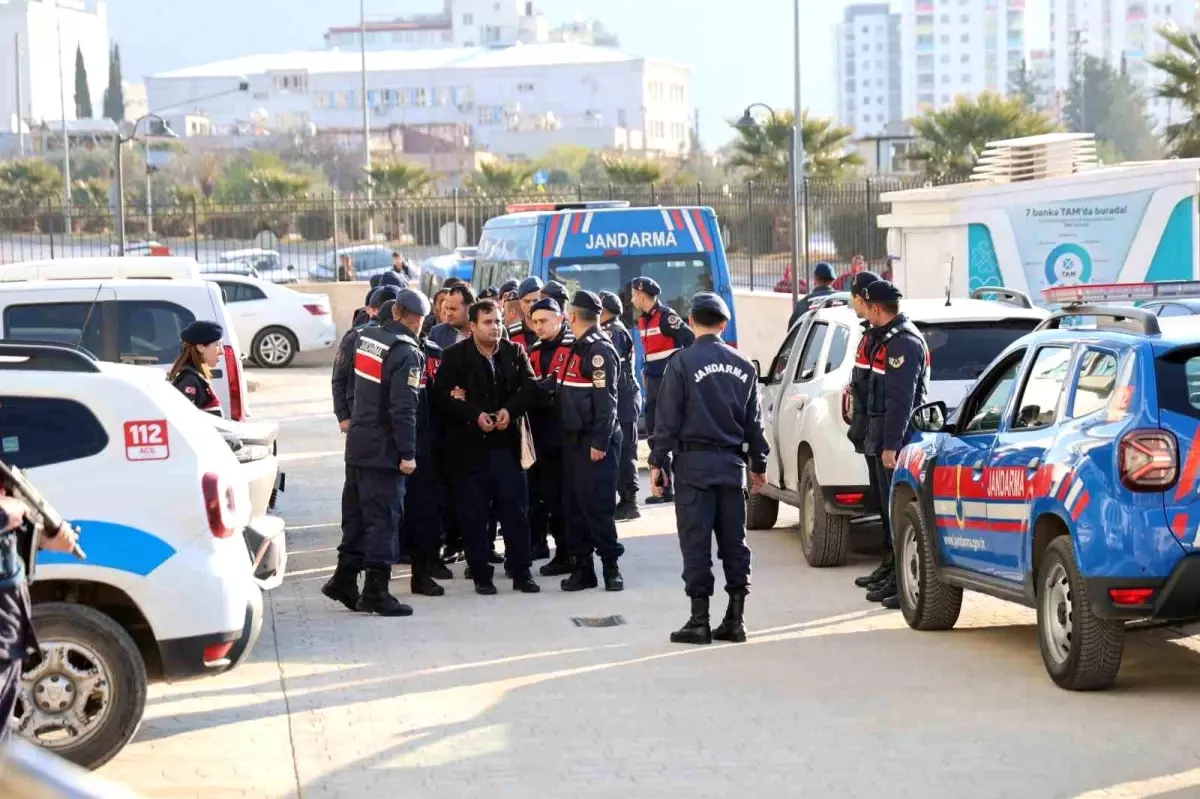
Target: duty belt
[697, 446]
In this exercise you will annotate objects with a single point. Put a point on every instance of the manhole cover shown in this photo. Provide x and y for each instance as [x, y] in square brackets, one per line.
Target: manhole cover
[598, 621]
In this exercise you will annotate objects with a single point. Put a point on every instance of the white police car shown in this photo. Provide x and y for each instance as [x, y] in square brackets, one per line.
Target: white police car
[167, 591]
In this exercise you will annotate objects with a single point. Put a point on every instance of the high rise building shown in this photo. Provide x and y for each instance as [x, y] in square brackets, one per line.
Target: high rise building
[958, 47]
[868, 68]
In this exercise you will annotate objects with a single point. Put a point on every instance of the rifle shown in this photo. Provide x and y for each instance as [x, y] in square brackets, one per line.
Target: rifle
[29, 534]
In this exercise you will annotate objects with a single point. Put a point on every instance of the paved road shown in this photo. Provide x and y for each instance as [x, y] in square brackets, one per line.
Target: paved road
[504, 696]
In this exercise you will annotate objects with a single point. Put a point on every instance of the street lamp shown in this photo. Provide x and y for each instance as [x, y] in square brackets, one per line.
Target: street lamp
[121, 139]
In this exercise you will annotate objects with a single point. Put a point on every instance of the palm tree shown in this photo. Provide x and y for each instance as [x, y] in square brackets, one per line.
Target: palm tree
[28, 184]
[631, 171]
[1181, 63]
[950, 141]
[763, 150]
[500, 179]
[269, 185]
[399, 179]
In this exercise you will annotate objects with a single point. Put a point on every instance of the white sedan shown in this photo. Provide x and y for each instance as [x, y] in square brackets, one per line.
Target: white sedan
[277, 321]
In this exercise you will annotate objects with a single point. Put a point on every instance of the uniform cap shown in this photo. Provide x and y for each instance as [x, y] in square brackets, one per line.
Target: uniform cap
[555, 290]
[414, 302]
[201, 333]
[860, 283]
[508, 285]
[882, 291]
[586, 301]
[530, 285]
[392, 278]
[707, 301]
[547, 304]
[646, 285]
[374, 281]
[385, 311]
[823, 271]
[611, 303]
[381, 295]
[489, 293]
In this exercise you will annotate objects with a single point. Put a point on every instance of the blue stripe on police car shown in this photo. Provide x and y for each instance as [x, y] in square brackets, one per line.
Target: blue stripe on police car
[115, 546]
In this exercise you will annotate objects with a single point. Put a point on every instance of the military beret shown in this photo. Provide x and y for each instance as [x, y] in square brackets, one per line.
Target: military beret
[556, 291]
[393, 278]
[586, 301]
[611, 303]
[414, 302]
[823, 271]
[707, 301]
[385, 311]
[547, 304]
[374, 281]
[381, 295]
[201, 333]
[646, 285]
[489, 293]
[530, 285]
[508, 285]
[881, 291]
[861, 281]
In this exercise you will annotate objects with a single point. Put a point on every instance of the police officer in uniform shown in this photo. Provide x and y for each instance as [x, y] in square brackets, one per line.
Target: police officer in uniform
[394, 279]
[899, 372]
[522, 333]
[823, 278]
[557, 292]
[192, 371]
[343, 362]
[663, 334]
[587, 403]
[629, 405]
[381, 450]
[710, 424]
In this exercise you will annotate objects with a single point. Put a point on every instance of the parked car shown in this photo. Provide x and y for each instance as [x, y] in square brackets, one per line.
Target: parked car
[140, 249]
[170, 267]
[263, 264]
[1174, 307]
[277, 321]
[435, 270]
[368, 260]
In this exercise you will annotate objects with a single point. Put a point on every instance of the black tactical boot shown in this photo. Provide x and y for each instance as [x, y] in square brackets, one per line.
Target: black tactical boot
[892, 602]
[485, 587]
[733, 627]
[439, 570]
[540, 551]
[559, 565]
[627, 509]
[583, 577]
[696, 631]
[668, 496]
[884, 568]
[525, 584]
[886, 590]
[422, 583]
[343, 586]
[375, 597]
[613, 581]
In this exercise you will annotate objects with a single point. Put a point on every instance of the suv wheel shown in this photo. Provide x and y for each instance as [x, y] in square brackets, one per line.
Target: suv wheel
[824, 536]
[1082, 651]
[761, 511]
[274, 347]
[86, 698]
[926, 602]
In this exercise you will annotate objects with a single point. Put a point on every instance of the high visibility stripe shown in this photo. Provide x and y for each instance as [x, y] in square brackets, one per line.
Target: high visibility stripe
[658, 356]
[650, 331]
[708, 244]
[562, 237]
[667, 220]
[692, 229]
[368, 366]
[587, 222]
[576, 384]
[555, 221]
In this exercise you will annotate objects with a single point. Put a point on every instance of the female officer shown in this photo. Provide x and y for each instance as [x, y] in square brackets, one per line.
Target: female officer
[192, 371]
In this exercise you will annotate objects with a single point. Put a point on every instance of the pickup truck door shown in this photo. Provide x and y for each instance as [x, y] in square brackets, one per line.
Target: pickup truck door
[802, 382]
[773, 383]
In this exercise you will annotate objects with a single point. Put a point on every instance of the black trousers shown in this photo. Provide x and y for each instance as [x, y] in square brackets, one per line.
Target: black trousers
[423, 502]
[699, 513]
[452, 534]
[546, 489]
[496, 481]
[881, 487]
[652, 386]
[590, 497]
[10, 684]
[370, 526]
[627, 479]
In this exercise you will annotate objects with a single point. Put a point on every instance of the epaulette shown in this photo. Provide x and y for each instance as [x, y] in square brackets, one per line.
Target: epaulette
[407, 339]
[432, 347]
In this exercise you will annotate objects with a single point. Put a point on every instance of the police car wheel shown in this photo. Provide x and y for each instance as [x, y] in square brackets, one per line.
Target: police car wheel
[761, 511]
[926, 602]
[274, 347]
[86, 698]
[824, 536]
[1081, 651]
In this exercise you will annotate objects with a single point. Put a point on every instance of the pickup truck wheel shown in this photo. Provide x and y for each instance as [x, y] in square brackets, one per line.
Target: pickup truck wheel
[824, 536]
[1082, 651]
[86, 698]
[761, 512]
[927, 603]
[274, 347]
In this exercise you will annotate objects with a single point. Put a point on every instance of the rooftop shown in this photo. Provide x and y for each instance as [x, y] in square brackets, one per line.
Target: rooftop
[335, 61]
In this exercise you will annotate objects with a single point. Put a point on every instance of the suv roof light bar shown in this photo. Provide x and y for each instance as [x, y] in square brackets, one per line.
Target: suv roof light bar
[1011, 296]
[513, 208]
[1121, 318]
[1122, 292]
[36, 356]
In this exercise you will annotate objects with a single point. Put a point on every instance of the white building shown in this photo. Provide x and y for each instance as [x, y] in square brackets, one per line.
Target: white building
[1041, 71]
[958, 48]
[868, 68]
[558, 94]
[1110, 29]
[46, 57]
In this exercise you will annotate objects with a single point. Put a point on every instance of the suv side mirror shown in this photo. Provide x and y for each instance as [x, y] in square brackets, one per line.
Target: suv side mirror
[930, 417]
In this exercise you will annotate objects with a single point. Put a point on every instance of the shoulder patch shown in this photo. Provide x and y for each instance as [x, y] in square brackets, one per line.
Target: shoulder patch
[597, 360]
[599, 379]
[189, 390]
[896, 362]
[414, 378]
[674, 321]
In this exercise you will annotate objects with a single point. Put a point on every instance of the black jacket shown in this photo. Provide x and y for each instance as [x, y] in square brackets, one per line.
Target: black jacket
[512, 387]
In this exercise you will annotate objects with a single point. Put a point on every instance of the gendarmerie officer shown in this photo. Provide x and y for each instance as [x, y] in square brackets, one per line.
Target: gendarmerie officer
[587, 402]
[629, 405]
[381, 449]
[663, 334]
[522, 333]
[710, 424]
[823, 279]
[192, 371]
[899, 371]
[393, 278]
[343, 362]
[557, 292]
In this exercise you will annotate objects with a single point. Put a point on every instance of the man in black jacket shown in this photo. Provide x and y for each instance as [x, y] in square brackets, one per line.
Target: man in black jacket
[482, 389]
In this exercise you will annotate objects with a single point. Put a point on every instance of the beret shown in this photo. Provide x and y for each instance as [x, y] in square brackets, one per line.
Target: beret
[707, 301]
[861, 281]
[529, 285]
[489, 293]
[414, 302]
[385, 311]
[556, 291]
[392, 278]
[882, 291]
[611, 303]
[823, 271]
[201, 333]
[646, 285]
[508, 285]
[547, 304]
[381, 295]
[586, 301]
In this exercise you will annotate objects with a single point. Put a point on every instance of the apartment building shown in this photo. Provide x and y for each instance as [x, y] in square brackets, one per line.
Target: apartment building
[868, 68]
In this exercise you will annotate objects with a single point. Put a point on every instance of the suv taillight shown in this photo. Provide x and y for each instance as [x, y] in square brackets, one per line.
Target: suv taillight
[1148, 460]
[233, 371]
[219, 505]
[316, 309]
[847, 405]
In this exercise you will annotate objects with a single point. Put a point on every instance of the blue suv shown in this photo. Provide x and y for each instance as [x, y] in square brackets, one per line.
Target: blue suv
[1066, 481]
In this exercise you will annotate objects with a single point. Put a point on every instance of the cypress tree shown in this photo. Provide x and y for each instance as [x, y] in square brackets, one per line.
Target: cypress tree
[114, 95]
[83, 95]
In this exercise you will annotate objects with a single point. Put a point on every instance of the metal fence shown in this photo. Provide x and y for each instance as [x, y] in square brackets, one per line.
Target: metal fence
[755, 221]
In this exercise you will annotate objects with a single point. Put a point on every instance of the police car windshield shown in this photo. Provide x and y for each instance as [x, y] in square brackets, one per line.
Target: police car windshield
[680, 277]
[505, 251]
[963, 350]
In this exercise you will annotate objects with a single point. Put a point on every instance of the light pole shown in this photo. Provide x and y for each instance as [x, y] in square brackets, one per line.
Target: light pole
[62, 99]
[799, 231]
[121, 138]
[362, 42]
[747, 122]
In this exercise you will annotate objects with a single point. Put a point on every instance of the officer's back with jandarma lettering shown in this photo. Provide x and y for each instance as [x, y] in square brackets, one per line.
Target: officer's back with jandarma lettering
[388, 369]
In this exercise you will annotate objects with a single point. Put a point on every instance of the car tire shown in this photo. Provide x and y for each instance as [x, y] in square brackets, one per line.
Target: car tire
[824, 536]
[1081, 651]
[926, 602]
[91, 645]
[761, 512]
[274, 347]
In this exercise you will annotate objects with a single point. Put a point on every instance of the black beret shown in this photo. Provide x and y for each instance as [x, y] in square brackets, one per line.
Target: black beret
[556, 291]
[393, 278]
[861, 281]
[381, 295]
[586, 301]
[646, 285]
[882, 291]
[547, 304]
[489, 293]
[530, 285]
[611, 303]
[385, 311]
[374, 281]
[823, 271]
[509, 285]
[707, 301]
[414, 302]
[201, 333]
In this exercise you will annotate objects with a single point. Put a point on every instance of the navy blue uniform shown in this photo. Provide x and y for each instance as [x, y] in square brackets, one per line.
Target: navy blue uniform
[522, 335]
[546, 515]
[423, 495]
[805, 303]
[388, 368]
[710, 424]
[587, 404]
[343, 367]
[629, 407]
[663, 334]
[198, 390]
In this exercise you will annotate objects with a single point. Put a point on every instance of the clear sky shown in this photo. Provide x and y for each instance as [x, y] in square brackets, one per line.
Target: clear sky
[740, 51]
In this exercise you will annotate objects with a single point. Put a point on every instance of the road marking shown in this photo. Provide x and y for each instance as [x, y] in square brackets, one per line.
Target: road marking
[1156, 786]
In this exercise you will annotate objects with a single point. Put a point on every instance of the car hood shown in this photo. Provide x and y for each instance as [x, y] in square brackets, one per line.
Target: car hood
[261, 433]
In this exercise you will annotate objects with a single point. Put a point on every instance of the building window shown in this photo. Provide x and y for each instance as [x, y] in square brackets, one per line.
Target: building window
[945, 19]
[341, 100]
[321, 100]
[491, 114]
[966, 78]
[945, 98]
[966, 58]
[945, 39]
[524, 88]
[945, 58]
[468, 19]
[491, 34]
[421, 96]
[966, 37]
[945, 78]
[442, 96]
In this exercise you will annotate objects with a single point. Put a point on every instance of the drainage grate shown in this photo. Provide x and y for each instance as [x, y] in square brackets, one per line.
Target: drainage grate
[598, 621]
